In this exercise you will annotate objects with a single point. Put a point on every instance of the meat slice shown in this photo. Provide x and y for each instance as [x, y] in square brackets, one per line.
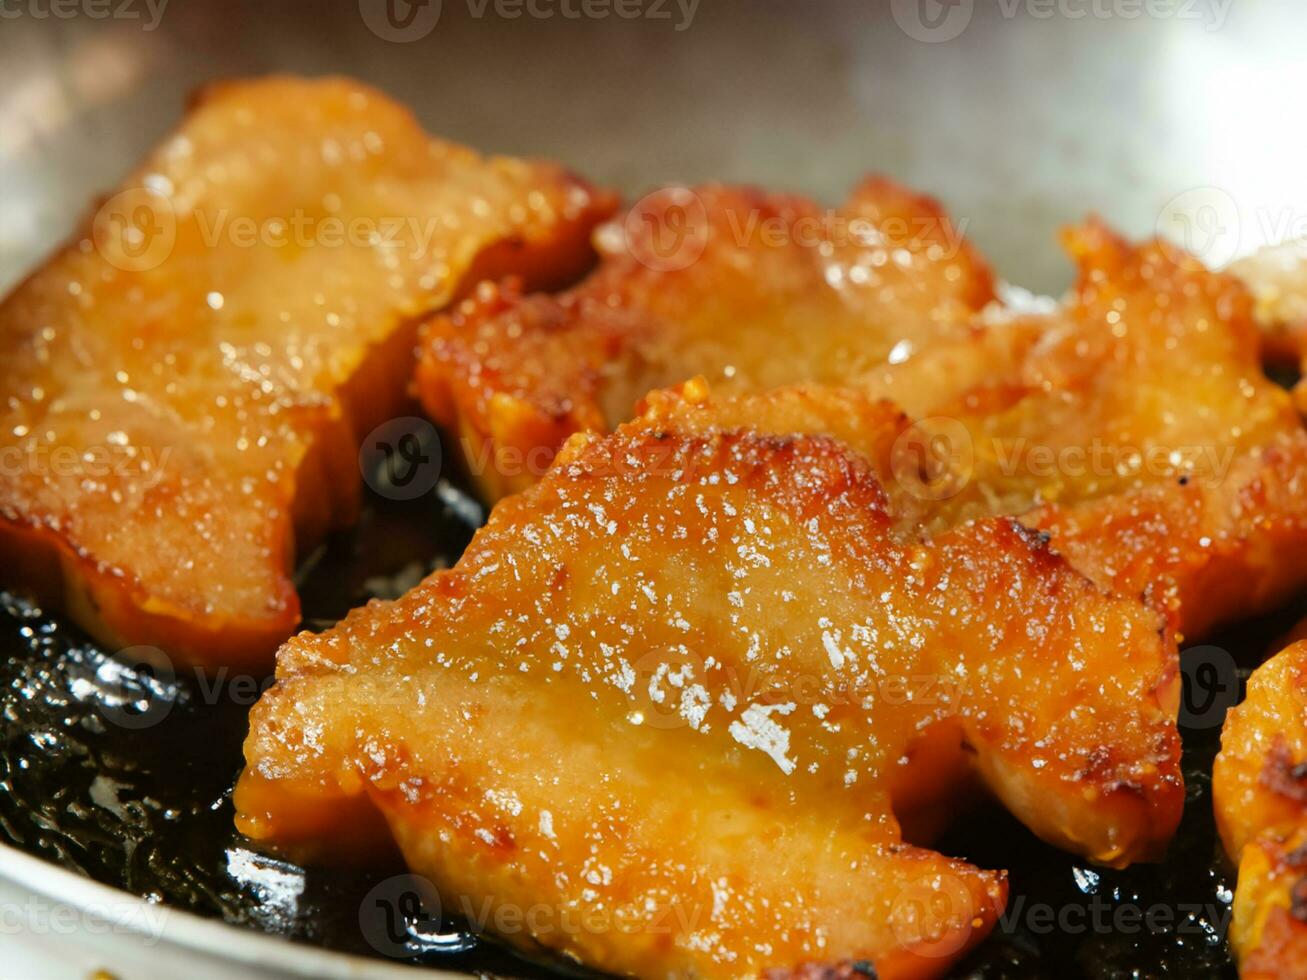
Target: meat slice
[749, 289]
[686, 688]
[1135, 425]
[1259, 789]
[1132, 421]
[183, 389]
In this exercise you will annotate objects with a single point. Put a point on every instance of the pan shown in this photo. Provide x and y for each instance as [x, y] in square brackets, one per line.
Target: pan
[117, 852]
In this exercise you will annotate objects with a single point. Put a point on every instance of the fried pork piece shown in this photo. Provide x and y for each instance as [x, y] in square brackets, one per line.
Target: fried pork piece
[751, 290]
[184, 388]
[1259, 788]
[681, 687]
[1135, 426]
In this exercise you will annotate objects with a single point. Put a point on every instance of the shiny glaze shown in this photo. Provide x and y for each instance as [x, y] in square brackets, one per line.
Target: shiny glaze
[1259, 790]
[676, 689]
[1133, 422]
[750, 289]
[1135, 425]
[169, 385]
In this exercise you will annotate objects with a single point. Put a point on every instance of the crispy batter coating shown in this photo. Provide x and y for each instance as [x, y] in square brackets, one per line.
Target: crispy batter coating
[685, 687]
[877, 430]
[1135, 426]
[223, 334]
[751, 290]
[1259, 789]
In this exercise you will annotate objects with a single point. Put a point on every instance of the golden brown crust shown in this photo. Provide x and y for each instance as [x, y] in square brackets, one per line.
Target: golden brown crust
[681, 683]
[1259, 789]
[752, 290]
[223, 333]
[1134, 424]
[1136, 427]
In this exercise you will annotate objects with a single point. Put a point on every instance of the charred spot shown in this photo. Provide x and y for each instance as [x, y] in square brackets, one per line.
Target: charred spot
[1298, 900]
[770, 442]
[1099, 765]
[817, 468]
[500, 840]
[1281, 775]
[1037, 542]
[1297, 858]
[558, 581]
[1033, 538]
[845, 970]
[1183, 480]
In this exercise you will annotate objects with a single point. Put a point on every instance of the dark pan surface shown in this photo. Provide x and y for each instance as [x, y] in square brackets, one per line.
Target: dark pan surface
[125, 774]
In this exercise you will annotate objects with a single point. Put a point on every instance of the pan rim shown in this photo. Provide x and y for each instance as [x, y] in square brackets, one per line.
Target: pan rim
[181, 929]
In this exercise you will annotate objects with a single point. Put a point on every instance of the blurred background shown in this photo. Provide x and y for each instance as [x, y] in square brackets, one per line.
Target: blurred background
[1021, 114]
